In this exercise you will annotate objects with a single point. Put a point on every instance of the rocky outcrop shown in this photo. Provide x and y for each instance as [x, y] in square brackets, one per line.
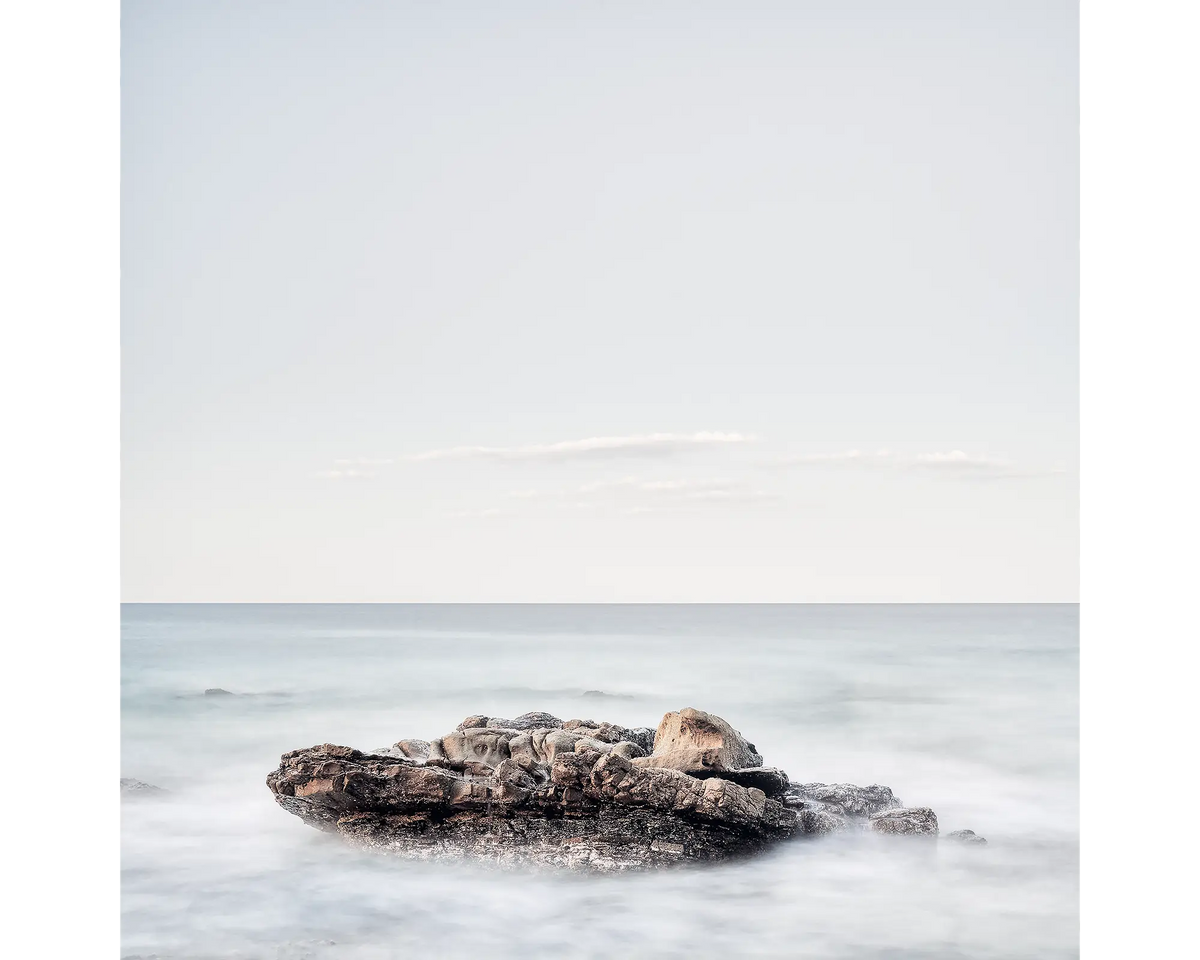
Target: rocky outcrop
[578, 793]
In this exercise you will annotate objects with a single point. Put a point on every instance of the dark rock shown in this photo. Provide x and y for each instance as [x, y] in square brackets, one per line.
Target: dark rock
[217, 692]
[969, 837]
[770, 780]
[642, 736]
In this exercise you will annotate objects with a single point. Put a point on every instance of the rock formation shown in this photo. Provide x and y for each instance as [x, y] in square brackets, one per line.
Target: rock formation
[579, 793]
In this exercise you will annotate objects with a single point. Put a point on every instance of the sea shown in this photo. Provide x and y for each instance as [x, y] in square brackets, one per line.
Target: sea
[972, 710]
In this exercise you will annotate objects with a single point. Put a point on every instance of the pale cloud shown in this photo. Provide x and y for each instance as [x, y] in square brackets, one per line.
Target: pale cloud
[645, 445]
[346, 474]
[948, 463]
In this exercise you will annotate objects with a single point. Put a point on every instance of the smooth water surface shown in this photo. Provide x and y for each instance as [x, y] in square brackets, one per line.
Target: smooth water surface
[969, 709]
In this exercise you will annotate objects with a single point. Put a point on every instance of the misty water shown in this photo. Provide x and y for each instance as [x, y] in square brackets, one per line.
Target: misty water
[969, 709]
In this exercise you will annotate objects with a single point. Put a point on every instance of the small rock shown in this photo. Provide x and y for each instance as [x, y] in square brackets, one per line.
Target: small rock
[964, 836]
[908, 821]
[217, 692]
[136, 788]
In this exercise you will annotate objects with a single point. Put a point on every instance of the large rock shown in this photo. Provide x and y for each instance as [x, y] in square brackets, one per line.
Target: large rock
[576, 794]
[693, 741]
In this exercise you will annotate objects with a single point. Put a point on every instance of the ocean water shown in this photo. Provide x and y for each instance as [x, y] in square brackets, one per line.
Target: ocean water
[969, 709]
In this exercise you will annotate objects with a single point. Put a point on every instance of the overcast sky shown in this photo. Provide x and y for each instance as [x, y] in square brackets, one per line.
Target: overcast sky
[600, 301]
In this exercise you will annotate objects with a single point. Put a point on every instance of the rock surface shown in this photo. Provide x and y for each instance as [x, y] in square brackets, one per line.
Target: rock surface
[693, 741]
[579, 793]
[911, 821]
[847, 800]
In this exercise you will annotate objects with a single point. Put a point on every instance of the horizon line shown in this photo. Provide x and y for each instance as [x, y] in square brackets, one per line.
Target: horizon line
[613, 603]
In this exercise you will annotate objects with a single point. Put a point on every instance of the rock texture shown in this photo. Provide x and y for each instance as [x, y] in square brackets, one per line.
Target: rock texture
[579, 793]
[913, 821]
[693, 741]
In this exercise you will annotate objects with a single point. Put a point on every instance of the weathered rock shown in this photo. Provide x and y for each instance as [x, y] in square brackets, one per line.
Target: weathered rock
[915, 821]
[969, 837]
[218, 692]
[575, 794]
[819, 822]
[483, 745]
[846, 798]
[526, 721]
[386, 752]
[770, 780]
[627, 749]
[642, 736]
[412, 749]
[692, 741]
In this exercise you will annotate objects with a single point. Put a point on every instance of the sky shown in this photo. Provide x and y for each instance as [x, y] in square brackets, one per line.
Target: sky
[600, 301]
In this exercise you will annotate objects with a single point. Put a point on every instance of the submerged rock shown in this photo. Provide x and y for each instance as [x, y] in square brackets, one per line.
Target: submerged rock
[137, 788]
[578, 793]
[964, 836]
[218, 692]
